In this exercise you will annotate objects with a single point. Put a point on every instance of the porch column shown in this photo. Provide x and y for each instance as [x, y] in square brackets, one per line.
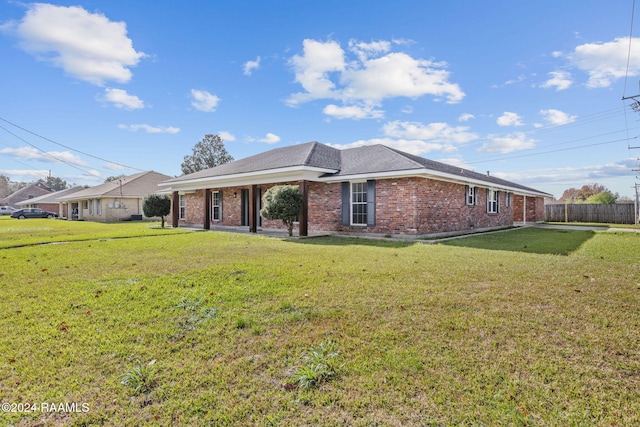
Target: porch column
[175, 209]
[303, 219]
[253, 213]
[207, 209]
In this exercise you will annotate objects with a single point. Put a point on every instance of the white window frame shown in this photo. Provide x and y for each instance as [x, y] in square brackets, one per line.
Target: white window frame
[358, 202]
[216, 203]
[471, 195]
[182, 207]
[492, 201]
[507, 199]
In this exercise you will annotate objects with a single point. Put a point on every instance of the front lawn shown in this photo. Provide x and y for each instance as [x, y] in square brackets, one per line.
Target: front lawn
[215, 328]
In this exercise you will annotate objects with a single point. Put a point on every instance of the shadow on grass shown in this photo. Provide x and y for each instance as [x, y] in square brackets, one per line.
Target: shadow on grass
[529, 240]
[349, 241]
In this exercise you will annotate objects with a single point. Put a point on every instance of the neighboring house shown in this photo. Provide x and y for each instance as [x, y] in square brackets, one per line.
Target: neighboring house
[118, 200]
[371, 189]
[50, 201]
[31, 191]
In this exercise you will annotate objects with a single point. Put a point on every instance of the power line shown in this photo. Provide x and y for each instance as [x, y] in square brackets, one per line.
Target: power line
[51, 155]
[65, 146]
[550, 151]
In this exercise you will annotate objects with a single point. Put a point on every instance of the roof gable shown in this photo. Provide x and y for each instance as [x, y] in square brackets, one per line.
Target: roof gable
[311, 154]
[137, 185]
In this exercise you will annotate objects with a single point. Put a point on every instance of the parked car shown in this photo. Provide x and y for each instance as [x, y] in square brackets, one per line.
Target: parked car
[6, 210]
[33, 213]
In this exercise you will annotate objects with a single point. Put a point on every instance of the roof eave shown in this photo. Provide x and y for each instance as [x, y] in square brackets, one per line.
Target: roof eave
[269, 176]
[432, 174]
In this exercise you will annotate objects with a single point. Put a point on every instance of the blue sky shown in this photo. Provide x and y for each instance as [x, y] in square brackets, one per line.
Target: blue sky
[531, 91]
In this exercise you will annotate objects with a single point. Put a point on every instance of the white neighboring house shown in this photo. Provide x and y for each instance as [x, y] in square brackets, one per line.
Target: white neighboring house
[118, 200]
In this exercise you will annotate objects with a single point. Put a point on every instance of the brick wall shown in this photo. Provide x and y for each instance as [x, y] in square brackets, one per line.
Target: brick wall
[404, 206]
[535, 209]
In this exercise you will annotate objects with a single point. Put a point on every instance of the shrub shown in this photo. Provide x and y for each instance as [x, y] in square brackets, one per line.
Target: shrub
[282, 202]
[321, 364]
[141, 378]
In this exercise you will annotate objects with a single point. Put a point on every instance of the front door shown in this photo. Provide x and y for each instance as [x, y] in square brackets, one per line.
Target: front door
[244, 206]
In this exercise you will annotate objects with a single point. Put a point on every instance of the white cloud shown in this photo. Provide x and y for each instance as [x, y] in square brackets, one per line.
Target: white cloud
[418, 138]
[270, 138]
[375, 74]
[226, 136]
[353, 112]
[607, 62]
[29, 153]
[557, 117]
[509, 119]
[121, 99]
[580, 175]
[27, 173]
[312, 70]
[204, 101]
[416, 147]
[249, 66]
[150, 129]
[506, 144]
[466, 117]
[560, 80]
[437, 132]
[87, 46]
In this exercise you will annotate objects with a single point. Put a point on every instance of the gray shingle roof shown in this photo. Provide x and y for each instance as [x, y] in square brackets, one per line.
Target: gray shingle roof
[311, 154]
[137, 185]
[365, 160]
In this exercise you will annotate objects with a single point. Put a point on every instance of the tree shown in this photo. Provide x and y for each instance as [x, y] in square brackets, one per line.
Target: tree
[55, 183]
[5, 186]
[207, 153]
[604, 198]
[156, 205]
[282, 202]
[576, 195]
[114, 177]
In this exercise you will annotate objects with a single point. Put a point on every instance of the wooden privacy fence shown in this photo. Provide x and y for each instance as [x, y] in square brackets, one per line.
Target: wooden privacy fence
[622, 213]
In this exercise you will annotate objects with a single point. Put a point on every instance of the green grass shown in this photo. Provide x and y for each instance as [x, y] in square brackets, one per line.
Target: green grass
[597, 224]
[480, 331]
[27, 232]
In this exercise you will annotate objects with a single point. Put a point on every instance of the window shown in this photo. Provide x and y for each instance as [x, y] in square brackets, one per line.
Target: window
[359, 203]
[183, 206]
[492, 201]
[507, 199]
[216, 206]
[98, 207]
[90, 202]
[471, 195]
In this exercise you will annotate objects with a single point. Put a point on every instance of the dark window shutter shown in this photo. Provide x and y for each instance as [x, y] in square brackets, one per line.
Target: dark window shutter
[488, 203]
[466, 194]
[371, 203]
[476, 196]
[498, 201]
[346, 196]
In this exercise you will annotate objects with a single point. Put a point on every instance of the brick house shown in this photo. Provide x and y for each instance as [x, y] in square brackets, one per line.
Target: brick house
[31, 191]
[365, 190]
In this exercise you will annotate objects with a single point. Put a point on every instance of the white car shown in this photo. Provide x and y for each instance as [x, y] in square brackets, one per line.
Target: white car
[6, 210]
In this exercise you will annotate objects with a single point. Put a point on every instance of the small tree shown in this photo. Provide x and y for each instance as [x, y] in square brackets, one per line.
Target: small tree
[156, 205]
[282, 202]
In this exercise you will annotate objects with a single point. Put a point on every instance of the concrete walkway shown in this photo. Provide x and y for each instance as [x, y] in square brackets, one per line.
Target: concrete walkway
[582, 227]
